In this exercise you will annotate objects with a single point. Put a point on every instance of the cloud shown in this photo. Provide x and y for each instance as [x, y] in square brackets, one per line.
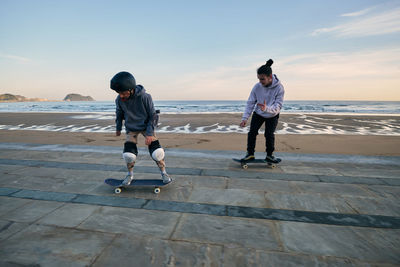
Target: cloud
[357, 13]
[363, 75]
[385, 22]
[366, 63]
[15, 58]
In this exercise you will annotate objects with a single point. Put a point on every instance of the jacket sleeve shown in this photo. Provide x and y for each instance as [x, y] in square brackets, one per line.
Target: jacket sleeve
[119, 116]
[275, 108]
[251, 102]
[151, 113]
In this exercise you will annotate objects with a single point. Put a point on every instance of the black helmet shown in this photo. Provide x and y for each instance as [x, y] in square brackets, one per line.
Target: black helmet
[123, 81]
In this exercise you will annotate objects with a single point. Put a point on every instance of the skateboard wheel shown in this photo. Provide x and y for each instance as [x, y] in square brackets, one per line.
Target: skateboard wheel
[157, 190]
[245, 166]
[117, 190]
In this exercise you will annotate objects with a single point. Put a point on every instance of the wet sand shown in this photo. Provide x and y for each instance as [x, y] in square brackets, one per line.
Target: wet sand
[356, 143]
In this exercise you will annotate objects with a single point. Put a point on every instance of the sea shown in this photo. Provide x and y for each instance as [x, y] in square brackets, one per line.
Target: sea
[195, 107]
[380, 117]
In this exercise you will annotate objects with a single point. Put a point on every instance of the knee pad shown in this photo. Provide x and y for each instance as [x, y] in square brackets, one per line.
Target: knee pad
[156, 151]
[129, 157]
[130, 152]
[158, 154]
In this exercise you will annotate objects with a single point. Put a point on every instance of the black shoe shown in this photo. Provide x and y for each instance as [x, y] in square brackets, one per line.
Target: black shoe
[272, 159]
[248, 157]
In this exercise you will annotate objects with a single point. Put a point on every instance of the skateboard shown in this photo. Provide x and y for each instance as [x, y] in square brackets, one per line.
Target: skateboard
[117, 183]
[244, 163]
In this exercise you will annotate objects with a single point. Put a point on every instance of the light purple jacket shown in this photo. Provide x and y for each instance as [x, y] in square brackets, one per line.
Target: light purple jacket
[273, 96]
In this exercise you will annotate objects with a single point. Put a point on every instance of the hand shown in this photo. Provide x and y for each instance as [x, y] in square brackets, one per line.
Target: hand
[117, 133]
[149, 139]
[243, 123]
[263, 107]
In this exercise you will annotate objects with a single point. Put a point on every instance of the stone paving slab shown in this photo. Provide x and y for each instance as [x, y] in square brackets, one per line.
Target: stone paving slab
[260, 175]
[338, 190]
[370, 172]
[9, 204]
[391, 181]
[131, 221]
[53, 246]
[264, 184]
[209, 182]
[58, 173]
[235, 232]
[32, 211]
[315, 217]
[381, 206]
[186, 207]
[31, 182]
[307, 202]
[78, 187]
[385, 191]
[110, 201]
[157, 252]
[197, 163]
[341, 241]
[69, 215]
[40, 195]
[310, 170]
[237, 197]
[352, 180]
[251, 257]
[4, 191]
[5, 168]
[9, 228]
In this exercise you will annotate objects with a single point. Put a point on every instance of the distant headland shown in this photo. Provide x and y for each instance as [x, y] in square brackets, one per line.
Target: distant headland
[77, 97]
[20, 98]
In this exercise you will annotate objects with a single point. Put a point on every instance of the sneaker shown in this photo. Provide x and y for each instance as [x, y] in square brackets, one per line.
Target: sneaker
[248, 157]
[272, 159]
[165, 177]
[128, 180]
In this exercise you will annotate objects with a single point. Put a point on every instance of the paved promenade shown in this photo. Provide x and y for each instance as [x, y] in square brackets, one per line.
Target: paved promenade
[312, 210]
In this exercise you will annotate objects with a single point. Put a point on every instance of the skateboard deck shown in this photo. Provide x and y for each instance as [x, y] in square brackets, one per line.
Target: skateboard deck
[245, 163]
[117, 183]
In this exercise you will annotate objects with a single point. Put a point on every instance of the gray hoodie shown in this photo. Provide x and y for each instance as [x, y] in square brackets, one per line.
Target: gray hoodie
[273, 96]
[138, 112]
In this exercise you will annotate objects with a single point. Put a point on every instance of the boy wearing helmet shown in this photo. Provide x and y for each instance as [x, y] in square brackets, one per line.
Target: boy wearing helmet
[136, 107]
[266, 100]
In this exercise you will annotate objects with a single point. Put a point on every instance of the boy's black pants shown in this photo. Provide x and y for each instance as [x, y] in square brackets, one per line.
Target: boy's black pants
[270, 126]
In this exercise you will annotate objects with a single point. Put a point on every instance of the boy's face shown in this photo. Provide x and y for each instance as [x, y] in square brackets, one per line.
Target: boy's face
[265, 80]
[124, 95]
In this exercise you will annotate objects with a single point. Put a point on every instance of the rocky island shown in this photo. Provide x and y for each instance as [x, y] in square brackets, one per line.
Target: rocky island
[77, 97]
[19, 98]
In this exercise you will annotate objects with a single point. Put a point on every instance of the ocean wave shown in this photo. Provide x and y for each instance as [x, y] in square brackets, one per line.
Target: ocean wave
[196, 107]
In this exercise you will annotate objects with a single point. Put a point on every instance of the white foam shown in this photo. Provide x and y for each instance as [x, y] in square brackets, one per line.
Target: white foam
[99, 116]
[379, 128]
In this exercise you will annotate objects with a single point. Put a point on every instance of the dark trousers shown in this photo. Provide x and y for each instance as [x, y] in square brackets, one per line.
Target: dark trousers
[270, 126]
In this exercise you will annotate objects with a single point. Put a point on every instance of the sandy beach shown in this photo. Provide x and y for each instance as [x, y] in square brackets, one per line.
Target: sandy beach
[61, 128]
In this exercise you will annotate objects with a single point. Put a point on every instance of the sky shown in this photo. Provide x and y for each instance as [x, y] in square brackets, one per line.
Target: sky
[201, 50]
